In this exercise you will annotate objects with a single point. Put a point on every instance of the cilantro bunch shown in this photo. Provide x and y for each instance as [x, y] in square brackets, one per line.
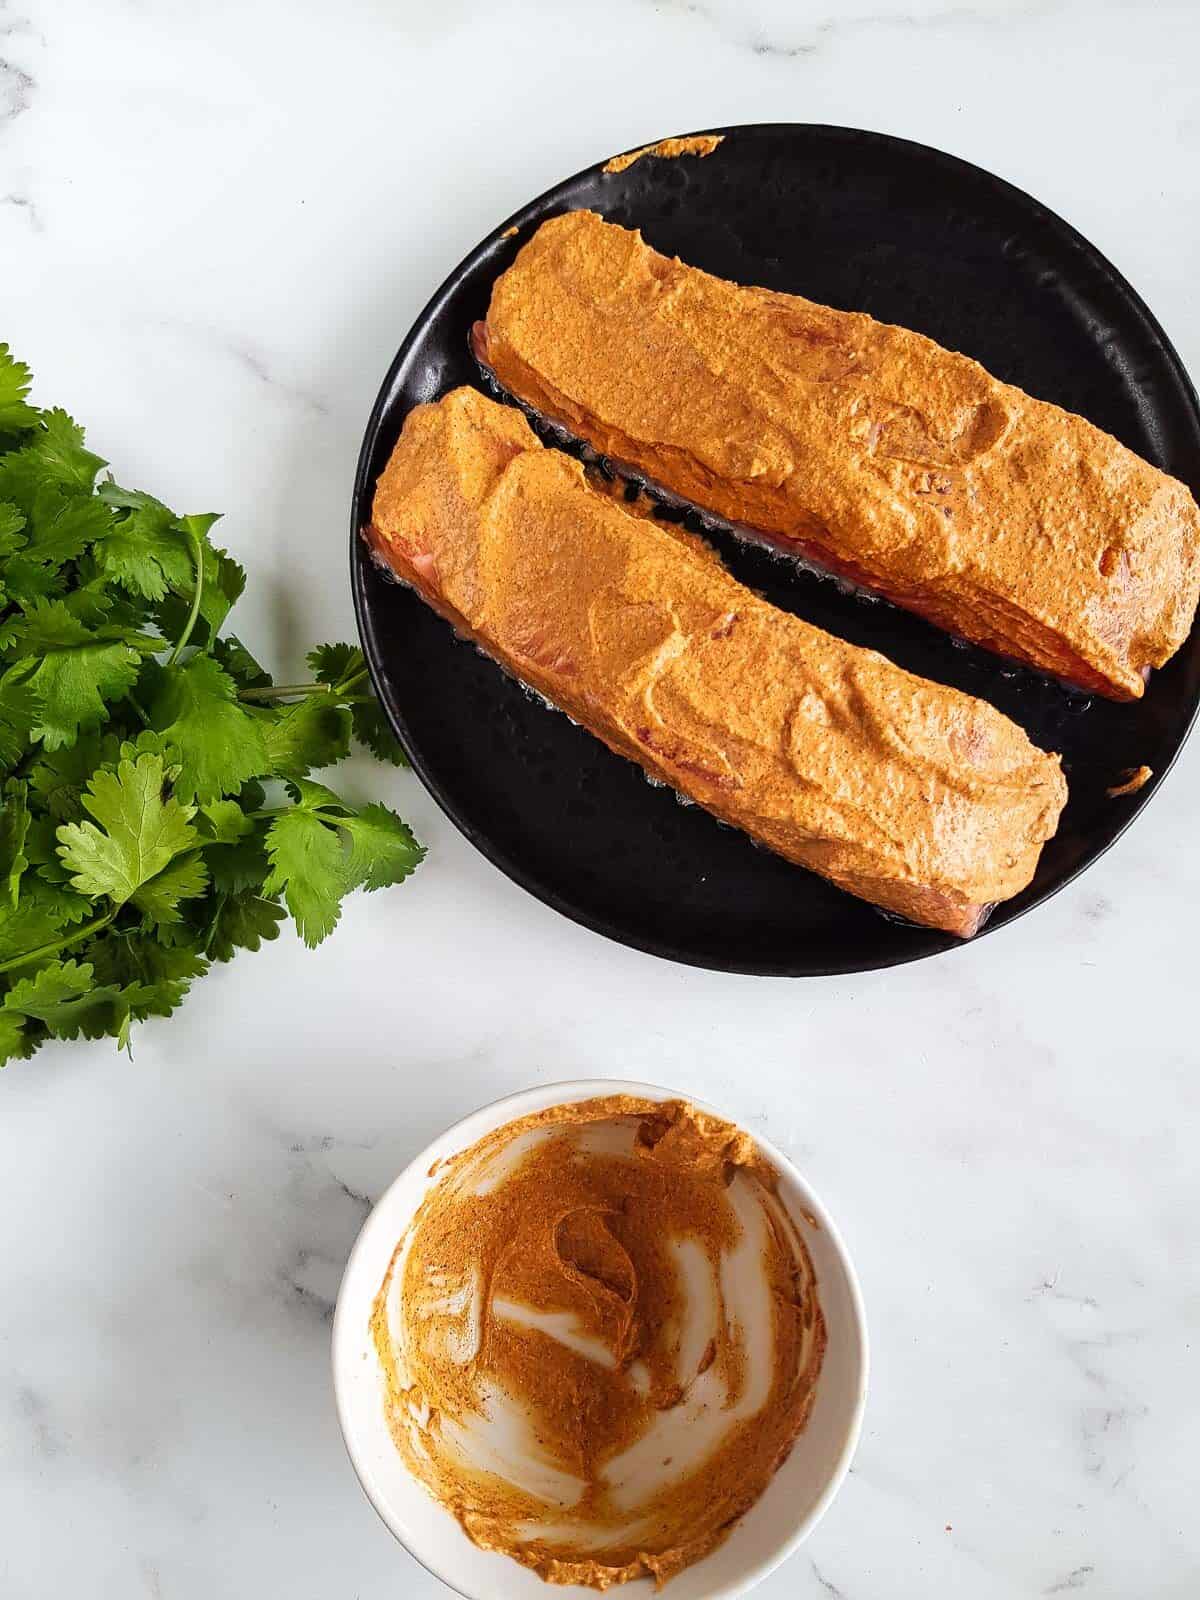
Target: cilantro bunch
[157, 811]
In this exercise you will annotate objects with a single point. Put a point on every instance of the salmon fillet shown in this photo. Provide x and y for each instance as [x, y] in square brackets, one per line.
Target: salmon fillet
[916, 797]
[861, 447]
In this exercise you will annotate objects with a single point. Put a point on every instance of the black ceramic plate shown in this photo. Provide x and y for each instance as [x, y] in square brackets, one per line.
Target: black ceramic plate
[864, 222]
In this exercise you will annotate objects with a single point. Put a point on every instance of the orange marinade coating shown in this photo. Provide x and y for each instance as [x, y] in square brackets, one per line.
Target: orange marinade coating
[696, 144]
[911, 795]
[863, 447]
[557, 1272]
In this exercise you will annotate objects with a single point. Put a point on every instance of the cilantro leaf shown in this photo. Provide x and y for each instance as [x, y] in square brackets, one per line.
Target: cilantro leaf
[64, 996]
[241, 666]
[371, 728]
[145, 550]
[72, 687]
[44, 625]
[335, 664]
[163, 974]
[305, 736]
[59, 982]
[50, 883]
[42, 848]
[15, 378]
[26, 927]
[221, 744]
[224, 581]
[148, 742]
[311, 866]
[134, 847]
[12, 522]
[18, 1038]
[111, 492]
[242, 922]
[159, 899]
[239, 864]
[61, 451]
[62, 527]
[14, 830]
[92, 604]
[18, 708]
[73, 670]
[382, 848]
[54, 457]
[58, 779]
[140, 831]
[308, 869]
[311, 796]
[26, 580]
[42, 911]
[223, 822]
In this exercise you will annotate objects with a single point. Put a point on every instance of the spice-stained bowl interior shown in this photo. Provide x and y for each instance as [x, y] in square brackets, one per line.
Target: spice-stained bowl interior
[794, 1497]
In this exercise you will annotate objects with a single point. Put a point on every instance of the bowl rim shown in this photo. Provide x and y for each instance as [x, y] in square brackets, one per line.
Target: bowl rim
[346, 1334]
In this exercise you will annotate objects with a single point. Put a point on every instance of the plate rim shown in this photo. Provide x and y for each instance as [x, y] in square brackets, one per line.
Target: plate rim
[939, 943]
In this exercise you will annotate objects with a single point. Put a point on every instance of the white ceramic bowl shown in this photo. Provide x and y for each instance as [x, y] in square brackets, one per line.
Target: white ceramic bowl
[774, 1526]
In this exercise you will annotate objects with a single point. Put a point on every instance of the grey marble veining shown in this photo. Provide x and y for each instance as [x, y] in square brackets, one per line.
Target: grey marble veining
[16, 91]
[788, 32]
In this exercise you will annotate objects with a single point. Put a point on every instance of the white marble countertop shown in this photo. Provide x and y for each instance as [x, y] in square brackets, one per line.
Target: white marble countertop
[216, 222]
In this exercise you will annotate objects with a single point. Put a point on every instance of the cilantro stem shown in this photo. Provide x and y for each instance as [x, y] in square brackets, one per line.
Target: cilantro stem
[321, 812]
[198, 556]
[211, 931]
[278, 691]
[348, 683]
[97, 925]
[273, 691]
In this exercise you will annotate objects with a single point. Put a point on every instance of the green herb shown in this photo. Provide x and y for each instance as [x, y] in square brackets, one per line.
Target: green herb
[157, 812]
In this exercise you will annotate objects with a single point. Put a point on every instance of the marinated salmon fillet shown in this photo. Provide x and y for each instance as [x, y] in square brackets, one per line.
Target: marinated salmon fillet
[860, 447]
[916, 797]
